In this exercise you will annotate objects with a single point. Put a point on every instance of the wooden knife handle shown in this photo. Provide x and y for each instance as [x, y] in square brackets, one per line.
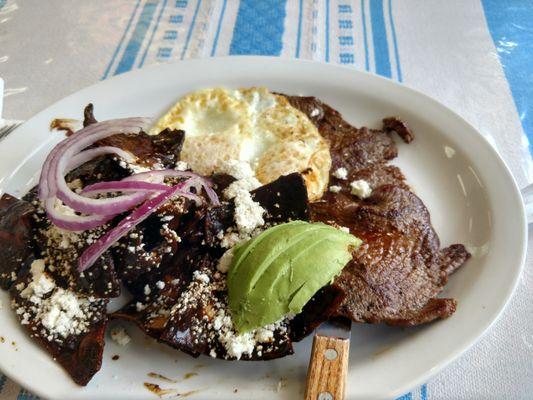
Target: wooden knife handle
[326, 375]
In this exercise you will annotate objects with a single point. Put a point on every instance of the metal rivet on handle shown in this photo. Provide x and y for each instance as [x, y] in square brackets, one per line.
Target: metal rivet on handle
[330, 354]
[325, 396]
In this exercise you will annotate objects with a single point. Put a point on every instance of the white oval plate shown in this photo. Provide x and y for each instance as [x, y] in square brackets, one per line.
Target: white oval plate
[470, 193]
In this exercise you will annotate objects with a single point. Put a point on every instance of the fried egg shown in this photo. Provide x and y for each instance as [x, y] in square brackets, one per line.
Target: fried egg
[252, 125]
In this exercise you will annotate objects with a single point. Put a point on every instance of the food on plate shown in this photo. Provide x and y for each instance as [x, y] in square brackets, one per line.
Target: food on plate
[243, 221]
[252, 125]
[400, 268]
[278, 271]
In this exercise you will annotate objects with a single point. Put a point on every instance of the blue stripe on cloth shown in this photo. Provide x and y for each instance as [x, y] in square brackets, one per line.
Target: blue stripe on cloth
[2, 377]
[365, 38]
[153, 32]
[299, 35]
[424, 392]
[128, 25]
[510, 24]
[137, 38]
[259, 28]
[217, 34]
[407, 396]
[191, 28]
[2, 3]
[379, 37]
[395, 44]
[327, 30]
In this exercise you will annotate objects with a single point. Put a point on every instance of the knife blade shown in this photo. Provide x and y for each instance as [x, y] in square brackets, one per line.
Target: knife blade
[326, 375]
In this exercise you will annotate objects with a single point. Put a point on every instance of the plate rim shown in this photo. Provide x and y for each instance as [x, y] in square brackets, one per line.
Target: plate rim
[475, 334]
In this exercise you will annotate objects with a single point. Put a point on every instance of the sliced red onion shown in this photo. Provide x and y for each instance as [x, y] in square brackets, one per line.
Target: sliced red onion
[104, 206]
[88, 155]
[73, 222]
[123, 186]
[197, 181]
[58, 167]
[159, 175]
[212, 195]
[89, 134]
[94, 251]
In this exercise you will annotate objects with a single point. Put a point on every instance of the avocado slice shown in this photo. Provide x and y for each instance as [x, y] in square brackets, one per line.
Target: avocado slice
[278, 271]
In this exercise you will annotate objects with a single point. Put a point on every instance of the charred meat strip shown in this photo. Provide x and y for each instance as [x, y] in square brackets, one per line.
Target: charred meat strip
[68, 325]
[399, 270]
[16, 233]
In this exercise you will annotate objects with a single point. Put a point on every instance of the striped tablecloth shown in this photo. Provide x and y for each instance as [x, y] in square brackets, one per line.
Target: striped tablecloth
[475, 56]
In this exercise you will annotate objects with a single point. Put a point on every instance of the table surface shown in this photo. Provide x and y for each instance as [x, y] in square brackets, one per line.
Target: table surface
[475, 56]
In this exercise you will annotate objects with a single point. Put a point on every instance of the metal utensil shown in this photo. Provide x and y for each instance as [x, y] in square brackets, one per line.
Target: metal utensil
[8, 127]
[326, 375]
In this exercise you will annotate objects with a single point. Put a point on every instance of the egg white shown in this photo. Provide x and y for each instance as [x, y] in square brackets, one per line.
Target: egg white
[252, 125]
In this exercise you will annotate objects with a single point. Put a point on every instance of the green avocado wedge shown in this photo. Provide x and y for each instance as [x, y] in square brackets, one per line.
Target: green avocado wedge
[278, 271]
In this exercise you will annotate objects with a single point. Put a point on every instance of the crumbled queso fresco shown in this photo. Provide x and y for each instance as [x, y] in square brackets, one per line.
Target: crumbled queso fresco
[120, 336]
[181, 166]
[217, 327]
[225, 261]
[341, 173]
[248, 213]
[64, 247]
[61, 312]
[360, 188]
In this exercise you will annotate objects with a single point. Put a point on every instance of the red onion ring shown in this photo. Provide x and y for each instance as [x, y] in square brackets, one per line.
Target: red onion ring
[88, 155]
[47, 185]
[94, 251]
[158, 176]
[123, 186]
[73, 222]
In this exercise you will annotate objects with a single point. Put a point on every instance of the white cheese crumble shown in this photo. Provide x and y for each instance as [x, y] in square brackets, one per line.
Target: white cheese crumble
[147, 290]
[246, 184]
[40, 285]
[238, 169]
[64, 315]
[181, 166]
[135, 168]
[61, 312]
[361, 188]
[314, 112]
[63, 208]
[225, 261]
[265, 335]
[231, 239]
[61, 238]
[248, 213]
[75, 185]
[341, 173]
[201, 277]
[160, 285]
[120, 336]
[237, 345]
[335, 188]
